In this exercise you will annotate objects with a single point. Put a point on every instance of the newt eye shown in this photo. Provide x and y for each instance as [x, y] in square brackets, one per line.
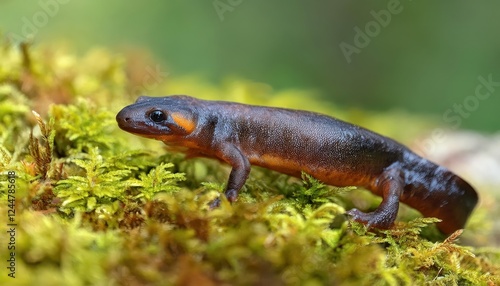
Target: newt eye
[157, 116]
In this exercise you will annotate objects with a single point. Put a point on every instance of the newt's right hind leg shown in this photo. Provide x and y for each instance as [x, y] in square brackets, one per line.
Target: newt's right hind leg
[391, 184]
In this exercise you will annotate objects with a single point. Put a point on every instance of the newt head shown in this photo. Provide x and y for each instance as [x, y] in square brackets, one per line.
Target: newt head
[165, 118]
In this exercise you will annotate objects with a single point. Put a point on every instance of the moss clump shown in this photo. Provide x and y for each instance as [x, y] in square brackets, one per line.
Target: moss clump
[95, 205]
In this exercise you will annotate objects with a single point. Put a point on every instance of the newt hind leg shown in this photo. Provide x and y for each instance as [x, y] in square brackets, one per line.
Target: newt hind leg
[390, 184]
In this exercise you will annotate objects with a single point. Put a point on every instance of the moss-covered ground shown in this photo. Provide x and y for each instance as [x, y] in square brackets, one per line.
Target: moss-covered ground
[97, 206]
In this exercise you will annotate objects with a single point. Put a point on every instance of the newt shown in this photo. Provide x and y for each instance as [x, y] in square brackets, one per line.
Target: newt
[294, 141]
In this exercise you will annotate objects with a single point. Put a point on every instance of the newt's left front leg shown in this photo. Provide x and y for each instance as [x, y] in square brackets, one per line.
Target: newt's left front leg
[391, 183]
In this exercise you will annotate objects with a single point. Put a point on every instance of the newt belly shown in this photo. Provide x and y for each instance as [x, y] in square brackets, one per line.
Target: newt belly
[292, 141]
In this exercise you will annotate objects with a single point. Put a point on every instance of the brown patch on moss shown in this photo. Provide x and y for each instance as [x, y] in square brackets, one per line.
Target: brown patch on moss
[201, 226]
[157, 210]
[132, 217]
[46, 202]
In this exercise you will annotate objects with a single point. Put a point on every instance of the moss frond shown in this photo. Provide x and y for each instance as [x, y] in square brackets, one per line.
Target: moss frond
[312, 192]
[41, 149]
[100, 181]
[159, 179]
[82, 127]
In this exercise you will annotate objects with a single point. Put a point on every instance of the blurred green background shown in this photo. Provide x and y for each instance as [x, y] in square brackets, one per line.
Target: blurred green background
[426, 58]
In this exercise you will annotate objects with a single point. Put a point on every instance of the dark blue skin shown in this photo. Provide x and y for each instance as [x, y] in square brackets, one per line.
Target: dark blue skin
[292, 141]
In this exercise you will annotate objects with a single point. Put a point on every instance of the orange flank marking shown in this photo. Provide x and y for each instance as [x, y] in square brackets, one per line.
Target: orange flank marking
[186, 124]
[330, 176]
[277, 163]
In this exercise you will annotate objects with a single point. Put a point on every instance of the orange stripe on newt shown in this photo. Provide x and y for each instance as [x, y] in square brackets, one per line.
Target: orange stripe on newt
[186, 124]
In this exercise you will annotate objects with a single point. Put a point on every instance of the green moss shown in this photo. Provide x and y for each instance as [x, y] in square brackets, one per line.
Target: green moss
[99, 206]
[83, 126]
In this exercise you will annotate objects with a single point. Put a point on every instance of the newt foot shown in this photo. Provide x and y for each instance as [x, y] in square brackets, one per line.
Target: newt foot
[376, 219]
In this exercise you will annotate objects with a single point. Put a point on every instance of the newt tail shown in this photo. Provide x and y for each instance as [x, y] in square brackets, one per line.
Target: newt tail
[436, 192]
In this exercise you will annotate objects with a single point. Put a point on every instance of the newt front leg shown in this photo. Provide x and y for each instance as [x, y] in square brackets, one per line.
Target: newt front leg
[239, 172]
